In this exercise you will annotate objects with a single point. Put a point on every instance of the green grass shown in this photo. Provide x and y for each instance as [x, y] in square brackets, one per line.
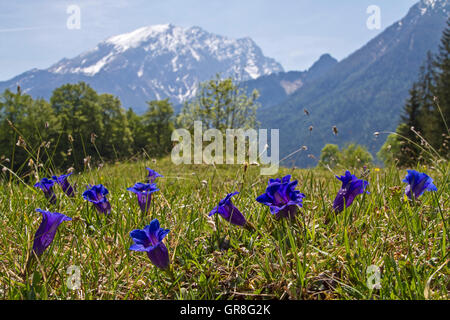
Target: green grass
[321, 255]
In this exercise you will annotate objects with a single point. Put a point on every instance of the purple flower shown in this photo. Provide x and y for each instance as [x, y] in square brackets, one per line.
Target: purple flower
[144, 194]
[150, 240]
[47, 230]
[46, 186]
[152, 175]
[229, 212]
[282, 198]
[418, 183]
[64, 183]
[97, 195]
[351, 187]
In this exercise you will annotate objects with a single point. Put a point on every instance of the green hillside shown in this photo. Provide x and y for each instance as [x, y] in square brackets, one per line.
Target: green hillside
[362, 94]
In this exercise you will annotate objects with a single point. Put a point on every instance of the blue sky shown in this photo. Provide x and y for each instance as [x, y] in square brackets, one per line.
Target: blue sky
[33, 34]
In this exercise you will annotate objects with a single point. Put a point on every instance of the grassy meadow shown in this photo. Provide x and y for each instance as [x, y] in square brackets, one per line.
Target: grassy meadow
[320, 255]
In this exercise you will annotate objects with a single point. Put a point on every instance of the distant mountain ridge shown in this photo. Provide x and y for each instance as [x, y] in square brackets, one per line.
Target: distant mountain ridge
[363, 93]
[155, 62]
[277, 87]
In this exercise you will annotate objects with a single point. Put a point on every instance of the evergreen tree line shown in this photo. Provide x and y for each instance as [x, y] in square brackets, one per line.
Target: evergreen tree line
[423, 134]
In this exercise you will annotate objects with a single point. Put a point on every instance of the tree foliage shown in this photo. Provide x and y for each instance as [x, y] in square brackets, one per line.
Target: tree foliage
[389, 150]
[222, 105]
[423, 133]
[329, 156]
[352, 156]
[158, 124]
[78, 126]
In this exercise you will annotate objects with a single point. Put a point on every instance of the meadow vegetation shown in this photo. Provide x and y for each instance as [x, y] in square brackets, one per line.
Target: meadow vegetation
[319, 255]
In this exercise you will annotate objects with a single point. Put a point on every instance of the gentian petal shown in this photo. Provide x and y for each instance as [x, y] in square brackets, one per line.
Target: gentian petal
[281, 197]
[47, 230]
[228, 211]
[418, 183]
[152, 175]
[46, 185]
[351, 187]
[144, 192]
[97, 195]
[159, 255]
[150, 240]
[64, 183]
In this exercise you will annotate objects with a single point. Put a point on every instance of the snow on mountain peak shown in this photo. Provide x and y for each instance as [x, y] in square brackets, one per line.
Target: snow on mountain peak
[176, 43]
[429, 2]
[168, 61]
[135, 38]
[427, 5]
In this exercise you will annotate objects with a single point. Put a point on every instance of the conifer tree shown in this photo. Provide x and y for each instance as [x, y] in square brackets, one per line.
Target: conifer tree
[427, 111]
[411, 125]
[442, 92]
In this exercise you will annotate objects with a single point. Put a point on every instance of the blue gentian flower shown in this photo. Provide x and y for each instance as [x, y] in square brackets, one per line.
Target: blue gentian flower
[144, 194]
[46, 185]
[418, 183]
[64, 183]
[152, 175]
[97, 195]
[229, 212]
[282, 198]
[47, 230]
[351, 187]
[150, 240]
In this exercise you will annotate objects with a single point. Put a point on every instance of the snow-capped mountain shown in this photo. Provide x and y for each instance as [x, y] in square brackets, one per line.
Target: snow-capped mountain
[154, 62]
